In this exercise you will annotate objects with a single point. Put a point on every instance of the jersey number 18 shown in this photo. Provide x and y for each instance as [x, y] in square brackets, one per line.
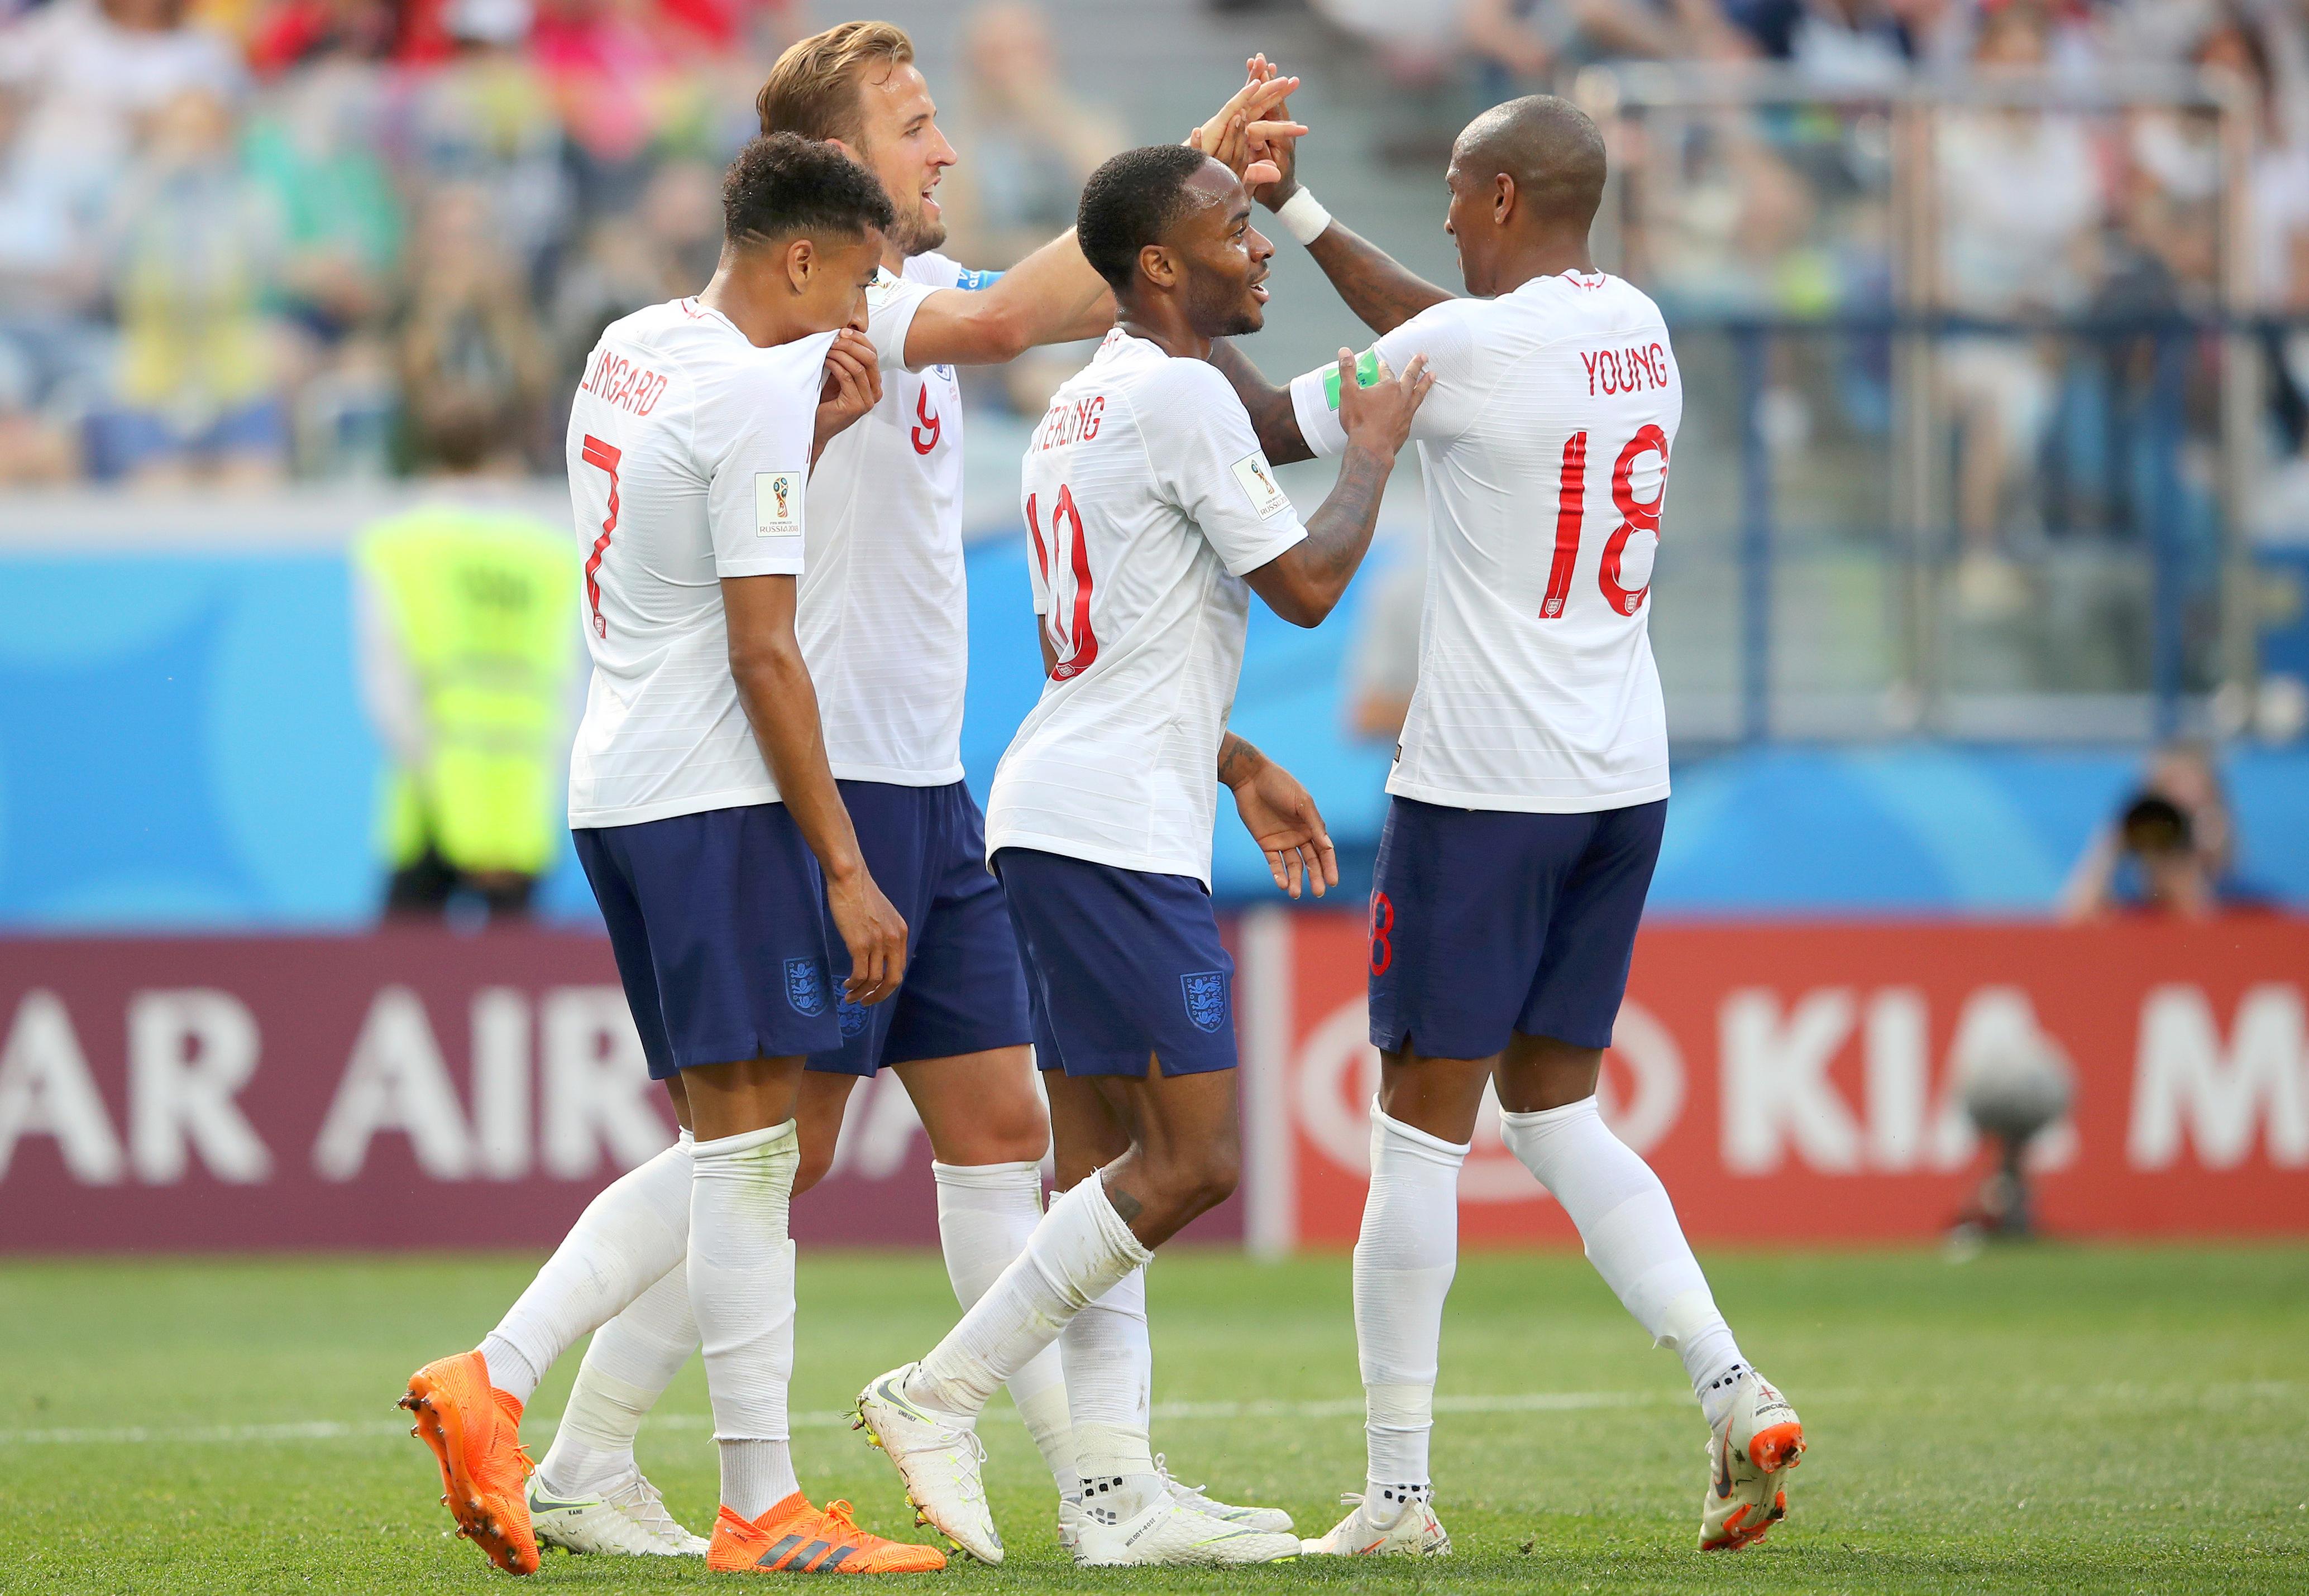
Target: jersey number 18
[1635, 516]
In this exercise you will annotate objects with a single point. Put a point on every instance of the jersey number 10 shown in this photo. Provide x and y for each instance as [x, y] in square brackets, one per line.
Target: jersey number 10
[1635, 516]
[1072, 639]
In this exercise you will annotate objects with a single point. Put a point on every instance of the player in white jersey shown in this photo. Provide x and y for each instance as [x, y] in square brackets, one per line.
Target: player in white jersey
[717, 844]
[883, 626]
[1528, 789]
[1153, 516]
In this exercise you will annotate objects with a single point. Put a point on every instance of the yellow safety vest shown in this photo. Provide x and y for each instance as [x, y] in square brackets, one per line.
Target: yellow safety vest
[480, 602]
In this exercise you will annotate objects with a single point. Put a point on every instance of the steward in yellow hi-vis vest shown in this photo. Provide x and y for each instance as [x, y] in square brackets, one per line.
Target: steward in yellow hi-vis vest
[467, 662]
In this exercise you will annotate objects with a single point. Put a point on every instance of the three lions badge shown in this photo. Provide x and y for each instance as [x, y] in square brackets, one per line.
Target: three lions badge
[1206, 993]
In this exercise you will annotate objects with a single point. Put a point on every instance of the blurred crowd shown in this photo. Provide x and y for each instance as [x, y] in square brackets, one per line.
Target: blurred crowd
[247, 240]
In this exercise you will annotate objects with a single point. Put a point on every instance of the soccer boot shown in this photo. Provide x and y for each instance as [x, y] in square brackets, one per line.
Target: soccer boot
[940, 1459]
[1757, 1440]
[627, 1519]
[1273, 1520]
[1162, 1533]
[796, 1537]
[474, 1430]
[1416, 1533]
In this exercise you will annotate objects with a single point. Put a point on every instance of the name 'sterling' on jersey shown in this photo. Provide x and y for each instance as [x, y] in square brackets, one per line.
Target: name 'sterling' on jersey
[1070, 422]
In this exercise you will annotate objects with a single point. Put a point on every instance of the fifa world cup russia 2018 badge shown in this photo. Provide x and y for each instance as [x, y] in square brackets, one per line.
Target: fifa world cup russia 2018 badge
[778, 485]
[1207, 998]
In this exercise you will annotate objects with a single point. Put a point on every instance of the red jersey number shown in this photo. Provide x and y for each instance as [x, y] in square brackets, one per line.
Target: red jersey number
[1635, 516]
[605, 456]
[1069, 624]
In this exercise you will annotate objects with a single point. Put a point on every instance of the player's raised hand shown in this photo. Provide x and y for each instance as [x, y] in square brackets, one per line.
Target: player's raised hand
[1379, 416]
[873, 932]
[851, 387]
[1280, 816]
[1253, 119]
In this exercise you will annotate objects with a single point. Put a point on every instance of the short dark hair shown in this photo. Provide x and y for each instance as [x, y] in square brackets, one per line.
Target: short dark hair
[1130, 202]
[782, 184]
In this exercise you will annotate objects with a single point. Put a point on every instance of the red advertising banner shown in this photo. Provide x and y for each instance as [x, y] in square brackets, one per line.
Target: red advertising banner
[1798, 1083]
[404, 1087]
[412, 1088]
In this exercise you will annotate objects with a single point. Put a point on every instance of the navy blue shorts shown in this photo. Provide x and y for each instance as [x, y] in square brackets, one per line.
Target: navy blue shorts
[1120, 963]
[718, 922]
[964, 990]
[1488, 921]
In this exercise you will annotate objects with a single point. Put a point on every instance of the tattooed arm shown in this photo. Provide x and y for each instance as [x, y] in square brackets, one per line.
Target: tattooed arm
[1304, 581]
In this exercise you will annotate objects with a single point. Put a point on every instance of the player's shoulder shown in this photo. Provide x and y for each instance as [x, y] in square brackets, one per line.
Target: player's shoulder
[1578, 302]
[1177, 390]
[933, 270]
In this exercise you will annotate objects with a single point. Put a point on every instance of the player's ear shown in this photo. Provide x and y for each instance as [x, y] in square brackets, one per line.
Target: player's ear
[1503, 198]
[801, 263]
[848, 148]
[1160, 269]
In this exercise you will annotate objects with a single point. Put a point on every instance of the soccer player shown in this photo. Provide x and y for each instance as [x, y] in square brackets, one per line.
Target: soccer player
[1529, 785]
[1149, 508]
[882, 620]
[716, 842]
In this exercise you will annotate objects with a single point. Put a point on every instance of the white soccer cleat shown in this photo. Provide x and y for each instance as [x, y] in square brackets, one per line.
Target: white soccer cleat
[1071, 1515]
[1416, 1533]
[628, 1520]
[1749, 1455]
[1164, 1533]
[1273, 1520]
[940, 1459]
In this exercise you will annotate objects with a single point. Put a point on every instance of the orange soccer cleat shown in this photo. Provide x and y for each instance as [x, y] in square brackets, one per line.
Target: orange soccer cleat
[795, 1537]
[1750, 1452]
[474, 1430]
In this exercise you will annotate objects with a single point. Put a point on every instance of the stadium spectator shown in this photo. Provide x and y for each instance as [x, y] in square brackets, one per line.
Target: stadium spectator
[1032, 139]
[193, 251]
[2019, 192]
[470, 340]
[1382, 666]
[665, 250]
[2172, 848]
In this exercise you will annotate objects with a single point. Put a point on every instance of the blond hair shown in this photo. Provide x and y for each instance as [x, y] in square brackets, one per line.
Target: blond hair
[813, 89]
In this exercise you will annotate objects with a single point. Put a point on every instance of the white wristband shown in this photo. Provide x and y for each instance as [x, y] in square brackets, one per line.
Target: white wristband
[1302, 217]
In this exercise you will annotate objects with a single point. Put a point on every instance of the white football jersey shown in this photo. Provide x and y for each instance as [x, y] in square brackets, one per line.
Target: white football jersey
[1545, 445]
[688, 455]
[885, 607]
[1147, 499]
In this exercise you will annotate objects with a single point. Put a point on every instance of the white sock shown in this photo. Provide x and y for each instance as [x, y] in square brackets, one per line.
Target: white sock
[742, 1287]
[620, 1246]
[633, 1358]
[1404, 1258]
[1109, 1370]
[986, 1213]
[1629, 1230]
[1075, 1255]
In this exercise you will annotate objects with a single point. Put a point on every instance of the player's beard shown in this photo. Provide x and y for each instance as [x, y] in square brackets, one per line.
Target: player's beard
[916, 231]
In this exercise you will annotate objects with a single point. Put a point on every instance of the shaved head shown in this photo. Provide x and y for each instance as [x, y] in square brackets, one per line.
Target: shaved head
[1549, 146]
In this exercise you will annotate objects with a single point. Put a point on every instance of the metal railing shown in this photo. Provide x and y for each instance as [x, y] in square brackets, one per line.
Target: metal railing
[1920, 486]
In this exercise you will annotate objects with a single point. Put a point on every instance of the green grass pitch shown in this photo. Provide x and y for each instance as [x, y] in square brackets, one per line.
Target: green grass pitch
[2049, 1419]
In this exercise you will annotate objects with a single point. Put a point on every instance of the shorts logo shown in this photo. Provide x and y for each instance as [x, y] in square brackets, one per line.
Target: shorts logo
[1207, 998]
[806, 986]
[853, 1016]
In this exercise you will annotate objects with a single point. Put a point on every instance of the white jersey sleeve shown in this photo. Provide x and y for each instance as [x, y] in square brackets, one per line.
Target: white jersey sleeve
[1445, 333]
[1207, 462]
[751, 433]
[893, 299]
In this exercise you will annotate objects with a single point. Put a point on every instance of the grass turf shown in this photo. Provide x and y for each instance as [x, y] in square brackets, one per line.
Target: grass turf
[2048, 1418]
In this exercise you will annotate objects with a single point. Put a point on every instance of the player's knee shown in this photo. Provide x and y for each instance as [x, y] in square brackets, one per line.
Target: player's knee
[817, 1157]
[1201, 1178]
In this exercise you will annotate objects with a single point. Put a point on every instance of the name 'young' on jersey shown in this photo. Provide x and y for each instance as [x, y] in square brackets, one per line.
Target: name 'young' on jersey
[1146, 498]
[1544, 448]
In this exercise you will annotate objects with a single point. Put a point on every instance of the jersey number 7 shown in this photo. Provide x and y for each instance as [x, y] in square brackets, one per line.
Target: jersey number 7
[1071, 637]
[606, 456]
[1635, 516]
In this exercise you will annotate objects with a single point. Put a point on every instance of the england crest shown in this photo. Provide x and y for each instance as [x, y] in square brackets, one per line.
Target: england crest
[806, 986]
[853, 1016]
[1207, 998]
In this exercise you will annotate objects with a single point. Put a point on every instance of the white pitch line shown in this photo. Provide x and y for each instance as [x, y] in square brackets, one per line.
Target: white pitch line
[1533, 1401]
